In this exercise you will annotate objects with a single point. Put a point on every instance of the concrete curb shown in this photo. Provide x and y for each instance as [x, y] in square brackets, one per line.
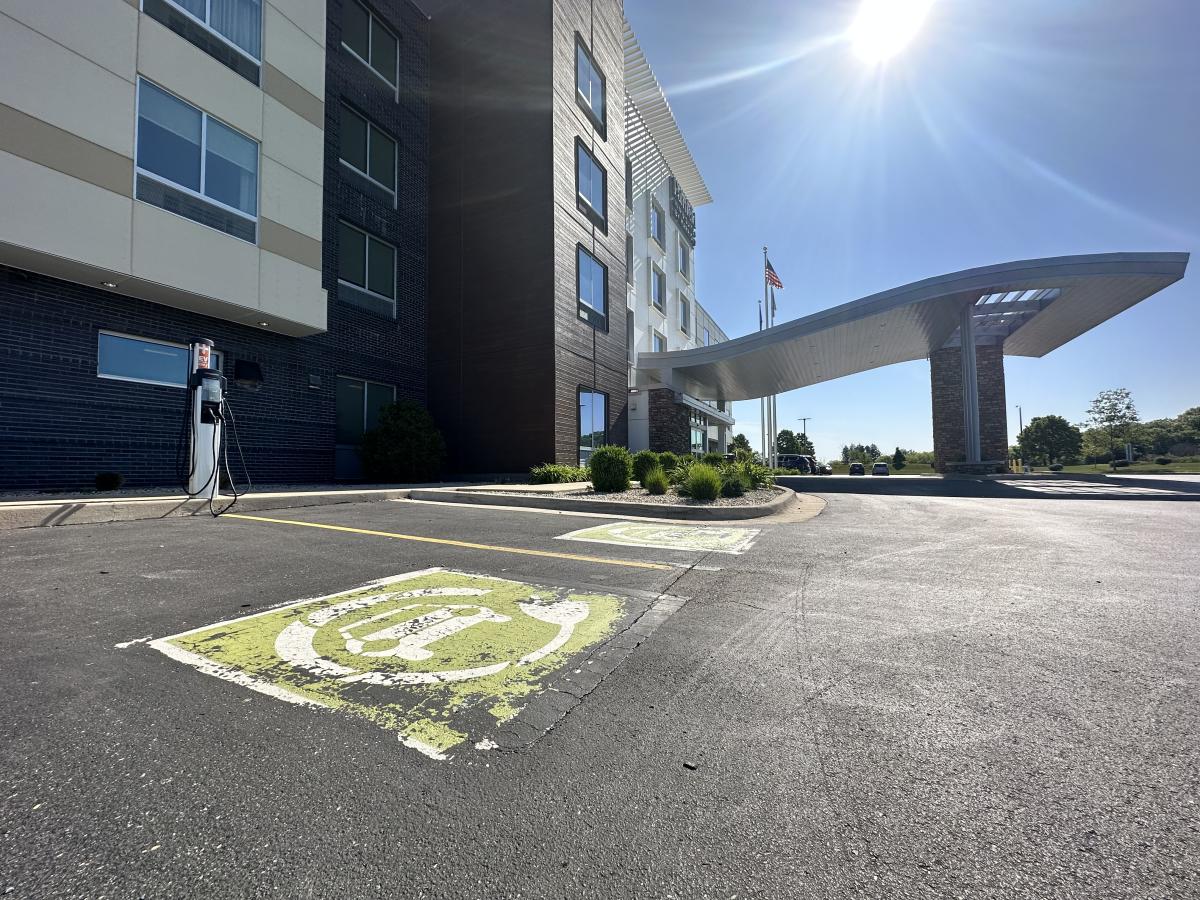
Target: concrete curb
[619, 508]
[34, 514]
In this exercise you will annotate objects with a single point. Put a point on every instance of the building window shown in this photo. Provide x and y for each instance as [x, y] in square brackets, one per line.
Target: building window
[593, 423]
[366, 37]
[367, 264]
[591, 278]
[629, 259]
[191, 164]
[368, 150]
[658, 224]
[685, 259]
[591, 186]
[685, 315]
[589, 87]
[126, 358]
[628, 183]
[630, 334]
[225, 29]
[658, 288]
[658, 343]
[707, 337]
[358, 404]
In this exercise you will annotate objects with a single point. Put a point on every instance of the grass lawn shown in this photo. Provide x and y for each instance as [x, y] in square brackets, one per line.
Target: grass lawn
[1137, 468]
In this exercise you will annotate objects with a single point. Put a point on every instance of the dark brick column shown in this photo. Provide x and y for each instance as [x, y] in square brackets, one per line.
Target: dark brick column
[945, 374]
[993, 410]
[670, 423]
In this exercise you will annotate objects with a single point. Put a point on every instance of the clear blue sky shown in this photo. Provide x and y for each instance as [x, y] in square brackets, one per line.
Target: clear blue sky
[1005, 131]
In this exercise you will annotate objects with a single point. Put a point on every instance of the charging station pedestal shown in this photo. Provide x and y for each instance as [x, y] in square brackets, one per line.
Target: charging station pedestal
[207, 396]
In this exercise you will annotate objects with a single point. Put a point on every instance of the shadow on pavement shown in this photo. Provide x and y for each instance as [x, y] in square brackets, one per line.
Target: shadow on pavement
[1025, 487]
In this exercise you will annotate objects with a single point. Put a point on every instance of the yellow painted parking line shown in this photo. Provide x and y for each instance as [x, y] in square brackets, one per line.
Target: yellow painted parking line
[448, 542]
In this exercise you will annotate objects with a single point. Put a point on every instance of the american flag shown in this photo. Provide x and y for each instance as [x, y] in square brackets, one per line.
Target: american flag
[772, 278]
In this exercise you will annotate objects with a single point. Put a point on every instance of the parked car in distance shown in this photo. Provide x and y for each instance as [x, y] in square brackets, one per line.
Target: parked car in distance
[794, 461]
[880, 468]
[857, 469]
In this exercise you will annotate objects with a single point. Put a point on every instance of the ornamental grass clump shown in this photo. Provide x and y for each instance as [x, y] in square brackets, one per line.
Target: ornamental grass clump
[611, 469]
[655, 481]
[733, 483]
[643, 462]
[555, 473]
[703, 483]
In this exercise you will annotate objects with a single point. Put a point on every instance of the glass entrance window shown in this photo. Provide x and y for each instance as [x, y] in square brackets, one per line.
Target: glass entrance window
[593, 423]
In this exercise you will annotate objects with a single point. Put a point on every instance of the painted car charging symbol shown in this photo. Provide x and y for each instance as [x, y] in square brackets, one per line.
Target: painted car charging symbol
[397, 634]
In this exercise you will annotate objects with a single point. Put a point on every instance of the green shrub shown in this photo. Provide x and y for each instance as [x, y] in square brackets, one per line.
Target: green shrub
[679, 474]
[668, 460]
[703, 483]
[1163, 460]
[1119, 463]
[754, 475]
[404, 446]
[555, 473]
[733, 483]
[716, 460]
[655, 481]
[611, 468]
[643, 462]
[109, 481]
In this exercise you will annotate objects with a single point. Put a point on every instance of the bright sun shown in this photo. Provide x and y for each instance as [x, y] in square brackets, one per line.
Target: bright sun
[883, 28]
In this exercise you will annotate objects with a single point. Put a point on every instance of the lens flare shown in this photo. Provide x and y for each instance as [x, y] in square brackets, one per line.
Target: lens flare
[883, 28]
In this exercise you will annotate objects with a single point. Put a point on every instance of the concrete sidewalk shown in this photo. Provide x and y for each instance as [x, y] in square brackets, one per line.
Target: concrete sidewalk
[33, 511]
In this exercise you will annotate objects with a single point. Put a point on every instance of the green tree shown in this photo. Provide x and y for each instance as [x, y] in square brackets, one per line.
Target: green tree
[785, 442]
[1050, 438]
[805, 445]
[899, 460]
[1113, 412]
[740, 442]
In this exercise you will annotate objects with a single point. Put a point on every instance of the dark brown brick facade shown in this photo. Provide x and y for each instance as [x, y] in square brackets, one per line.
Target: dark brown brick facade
[949, 436]
[508, 349]
[670, 423]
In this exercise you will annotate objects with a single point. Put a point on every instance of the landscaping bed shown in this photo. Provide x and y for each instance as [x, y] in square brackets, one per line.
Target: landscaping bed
[754, 497]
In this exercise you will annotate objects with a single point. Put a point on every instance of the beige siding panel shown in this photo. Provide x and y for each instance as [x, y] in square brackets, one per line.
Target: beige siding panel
[297, 99]
[61, 215]
[293, 141]
[280, 239]
[292, 291]
[172, 250]
[291, 199]
[104, 31]
[307, 15]
[25, 136]
[188, 72]
[293, 52]
[46, 80]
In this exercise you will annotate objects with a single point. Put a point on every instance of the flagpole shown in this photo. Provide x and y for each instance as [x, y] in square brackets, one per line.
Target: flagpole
[769, 415]
[762, 401]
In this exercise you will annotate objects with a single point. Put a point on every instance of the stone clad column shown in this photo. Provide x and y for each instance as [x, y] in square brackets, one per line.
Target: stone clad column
[949, 431]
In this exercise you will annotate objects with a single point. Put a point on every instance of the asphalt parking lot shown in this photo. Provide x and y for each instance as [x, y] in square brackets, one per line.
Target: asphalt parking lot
[908, 695]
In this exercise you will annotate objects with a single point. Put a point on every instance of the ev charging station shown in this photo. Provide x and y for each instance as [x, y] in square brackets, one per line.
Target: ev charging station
[207, 400]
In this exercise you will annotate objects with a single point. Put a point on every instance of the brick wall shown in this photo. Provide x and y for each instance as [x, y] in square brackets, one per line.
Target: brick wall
[63, 424]
[949, 438]
[670, 423]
